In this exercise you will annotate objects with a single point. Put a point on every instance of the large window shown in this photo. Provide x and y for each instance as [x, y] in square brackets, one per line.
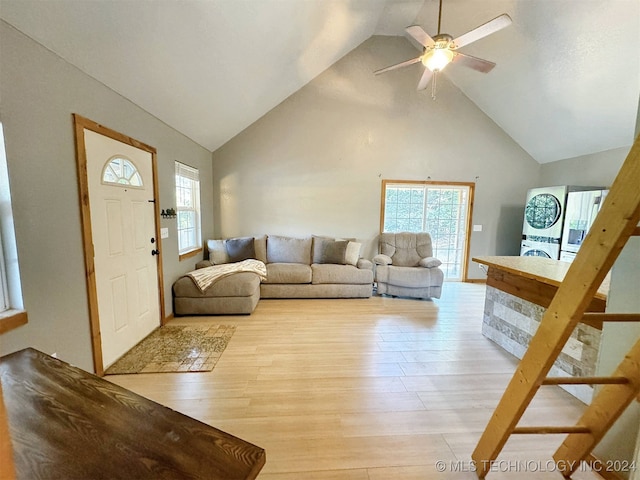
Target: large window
[441, 209]
[12, 314]
[188, 210]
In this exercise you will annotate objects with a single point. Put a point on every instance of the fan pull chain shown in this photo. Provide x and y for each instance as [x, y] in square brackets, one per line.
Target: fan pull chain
[433, 85]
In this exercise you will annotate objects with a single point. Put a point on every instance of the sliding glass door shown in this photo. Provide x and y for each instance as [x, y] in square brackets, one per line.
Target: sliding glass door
[441, 209]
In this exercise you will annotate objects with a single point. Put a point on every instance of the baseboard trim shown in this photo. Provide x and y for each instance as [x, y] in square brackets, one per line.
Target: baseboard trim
[168, 318]
[476, 280]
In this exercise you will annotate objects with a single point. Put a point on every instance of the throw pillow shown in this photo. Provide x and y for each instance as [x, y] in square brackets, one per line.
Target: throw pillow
[288, 250]
[217, 252]
[318, 246]
[318, 241]
[241, 248]
[334, 252]
[260, 245]
[430, 262]
[353, 253]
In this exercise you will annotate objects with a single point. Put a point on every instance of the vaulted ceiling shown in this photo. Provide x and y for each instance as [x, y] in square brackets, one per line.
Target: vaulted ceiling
[567, 81]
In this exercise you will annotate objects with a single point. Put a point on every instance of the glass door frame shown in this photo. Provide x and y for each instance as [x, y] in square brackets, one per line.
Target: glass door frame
[435, 184]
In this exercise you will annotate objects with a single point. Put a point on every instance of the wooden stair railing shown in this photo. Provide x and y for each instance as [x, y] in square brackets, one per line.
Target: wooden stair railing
[616, 222]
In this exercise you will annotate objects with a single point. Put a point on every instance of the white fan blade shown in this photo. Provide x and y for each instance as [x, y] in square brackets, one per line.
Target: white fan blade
[484, 66]
[482, 31]
[424, 80]
[419, 35]
[398, 65]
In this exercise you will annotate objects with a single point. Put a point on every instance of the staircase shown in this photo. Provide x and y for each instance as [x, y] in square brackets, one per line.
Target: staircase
[615, 224]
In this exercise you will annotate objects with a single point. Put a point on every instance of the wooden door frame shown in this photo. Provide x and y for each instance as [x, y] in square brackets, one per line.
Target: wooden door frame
[470, 185]
[81, 124]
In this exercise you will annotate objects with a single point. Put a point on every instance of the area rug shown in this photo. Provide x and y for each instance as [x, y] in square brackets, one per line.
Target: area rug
[176, 349]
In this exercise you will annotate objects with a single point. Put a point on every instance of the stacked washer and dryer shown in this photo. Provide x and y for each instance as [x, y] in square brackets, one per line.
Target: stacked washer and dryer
[556, 220]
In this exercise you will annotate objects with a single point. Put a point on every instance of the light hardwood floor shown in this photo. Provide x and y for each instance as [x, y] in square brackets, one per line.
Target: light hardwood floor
[364, 389]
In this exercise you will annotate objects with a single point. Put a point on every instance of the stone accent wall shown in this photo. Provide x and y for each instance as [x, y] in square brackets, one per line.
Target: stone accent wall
[511, 322]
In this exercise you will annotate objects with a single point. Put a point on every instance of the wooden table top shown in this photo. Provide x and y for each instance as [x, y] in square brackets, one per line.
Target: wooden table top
[67, 423]
[543, 270]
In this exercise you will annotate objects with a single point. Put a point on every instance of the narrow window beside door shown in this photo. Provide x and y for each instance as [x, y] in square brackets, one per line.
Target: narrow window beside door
[188, 210]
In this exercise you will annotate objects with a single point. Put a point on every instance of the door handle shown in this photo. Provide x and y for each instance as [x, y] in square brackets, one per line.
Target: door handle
[155, 252]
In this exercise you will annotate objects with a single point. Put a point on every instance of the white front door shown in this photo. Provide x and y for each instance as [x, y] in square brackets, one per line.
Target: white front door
[120, 181]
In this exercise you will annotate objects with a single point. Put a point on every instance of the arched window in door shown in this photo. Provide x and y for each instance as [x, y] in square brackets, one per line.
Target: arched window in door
[121, 171]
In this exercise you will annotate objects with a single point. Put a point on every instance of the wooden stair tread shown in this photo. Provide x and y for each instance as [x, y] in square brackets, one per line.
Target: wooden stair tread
[551, 429]
[597, 319]
[585, 380]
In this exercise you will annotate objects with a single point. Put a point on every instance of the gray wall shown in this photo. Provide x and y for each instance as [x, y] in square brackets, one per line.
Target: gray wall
[314, 164]
[597, 169]
[617, 339]
[39, 92]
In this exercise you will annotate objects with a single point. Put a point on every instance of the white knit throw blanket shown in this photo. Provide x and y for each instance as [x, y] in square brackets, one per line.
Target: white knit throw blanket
[205, 277]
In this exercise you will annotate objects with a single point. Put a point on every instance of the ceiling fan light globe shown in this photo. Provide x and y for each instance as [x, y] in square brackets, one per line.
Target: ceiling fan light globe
[437, 59]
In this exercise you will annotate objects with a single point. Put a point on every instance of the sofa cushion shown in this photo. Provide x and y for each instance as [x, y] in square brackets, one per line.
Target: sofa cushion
[241, 284]
[241, 248]
[288, 273]
[288, 250]
[406, 249]
[328, 273]
[414, 277]
[333, 252]
[260, 246]
[365, 264]
[406, 254]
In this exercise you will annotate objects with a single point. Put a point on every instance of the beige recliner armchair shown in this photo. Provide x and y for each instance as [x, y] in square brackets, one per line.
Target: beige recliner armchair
[406, 267]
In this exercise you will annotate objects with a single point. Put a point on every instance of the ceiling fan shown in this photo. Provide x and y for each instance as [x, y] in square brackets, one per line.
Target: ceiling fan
[439, 51]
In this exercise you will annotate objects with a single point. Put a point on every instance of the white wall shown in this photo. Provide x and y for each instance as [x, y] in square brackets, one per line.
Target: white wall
[39, 92]
[314, 164]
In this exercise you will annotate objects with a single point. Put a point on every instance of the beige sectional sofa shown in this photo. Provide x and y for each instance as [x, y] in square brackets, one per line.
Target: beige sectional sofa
[311, 267]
